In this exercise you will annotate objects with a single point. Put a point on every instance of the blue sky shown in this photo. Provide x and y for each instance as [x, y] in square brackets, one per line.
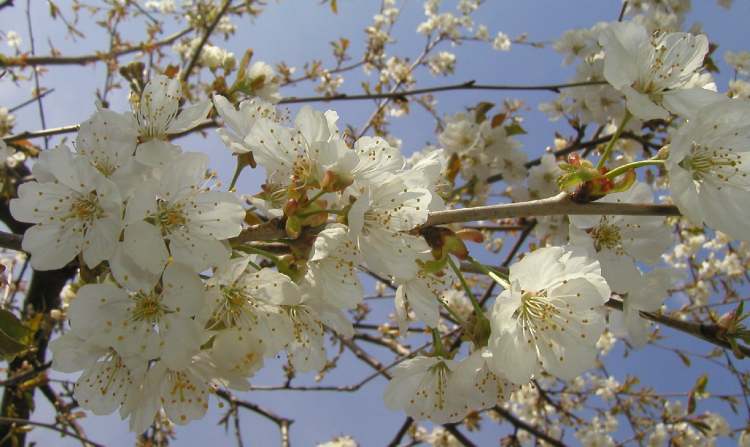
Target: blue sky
[296, 31]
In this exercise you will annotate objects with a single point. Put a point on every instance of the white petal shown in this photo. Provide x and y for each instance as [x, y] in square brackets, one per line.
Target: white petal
[190, 117]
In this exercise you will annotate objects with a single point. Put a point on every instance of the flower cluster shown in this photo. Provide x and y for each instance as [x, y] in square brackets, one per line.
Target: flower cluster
[185, 287]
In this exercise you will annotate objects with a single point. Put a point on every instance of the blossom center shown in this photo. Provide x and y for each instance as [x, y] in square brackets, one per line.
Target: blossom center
[606, 236]
[86, 208]
[535, 307]
[148, 308]
[171, 216]
[704, 161]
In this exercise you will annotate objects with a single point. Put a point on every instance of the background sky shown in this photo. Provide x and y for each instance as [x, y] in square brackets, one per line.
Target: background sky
[295, 31]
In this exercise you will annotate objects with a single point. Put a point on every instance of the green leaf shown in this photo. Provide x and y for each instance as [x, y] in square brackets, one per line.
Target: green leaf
[480, 111]
[514, 129]
[14, 336]
[699, 389]
[685, 359]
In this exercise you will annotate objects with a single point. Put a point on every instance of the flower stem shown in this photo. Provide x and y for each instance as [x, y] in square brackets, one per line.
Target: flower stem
[467, 289]
[314, 212]
[452, 313]
[627, 167]
[259, 251]
[316, 196]
[615, 137]
[236, 176]
[496, 276]
[438, 342]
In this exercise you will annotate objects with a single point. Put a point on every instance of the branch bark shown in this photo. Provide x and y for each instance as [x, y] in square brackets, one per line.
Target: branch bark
[522, 425]
[197, 53]
[468, 85]
[559, 204]
[281, 421]
[33, 61]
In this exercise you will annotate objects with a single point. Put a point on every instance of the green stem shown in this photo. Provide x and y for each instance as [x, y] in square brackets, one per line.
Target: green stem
[452, 313]
[496, 276]
[627, 167]
[314, 212]
[613, 140]
[467, 289]
[258, 251]
[236, 176]
[438, 342]
[316, 196]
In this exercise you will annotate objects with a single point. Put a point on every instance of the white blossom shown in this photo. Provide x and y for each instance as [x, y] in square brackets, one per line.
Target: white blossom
[550, 317]
[657, 73]
[74, 208]
[177, 217]
[425, 388]
[708, 168]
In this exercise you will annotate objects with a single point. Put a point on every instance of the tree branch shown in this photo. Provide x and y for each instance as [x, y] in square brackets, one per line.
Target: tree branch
[469, 85]
[559, 204]
[10, 241]
[706, 332]
[522, 425]
[33, 61]
[197, 53]
[19, 421]
[281, 421]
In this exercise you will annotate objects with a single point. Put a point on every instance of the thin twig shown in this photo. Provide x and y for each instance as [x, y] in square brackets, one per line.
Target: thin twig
[281, 421]
[469, 85]
[30, 101]
[522, 425]
[42, 133]
[199, 49]
[8, 421]
[209, 123]
[707, 332]
[396, 441]
[37, 88]
[460, 437]
[33, 61]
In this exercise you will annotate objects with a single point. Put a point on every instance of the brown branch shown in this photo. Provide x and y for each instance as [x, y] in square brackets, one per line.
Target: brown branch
[198, 50]
[26, 375]
[401, 432]
[18, 421]
[469, 85]
[281, 421]
[210, 123]
[33, 61]
[711, 333]
[522, 425]
[559, 204]
[578, 145]
[42, 133]
[10, 241]
[30, 101]
[460, 437]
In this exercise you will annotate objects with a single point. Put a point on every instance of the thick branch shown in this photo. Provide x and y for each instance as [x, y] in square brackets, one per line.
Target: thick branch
[559, 204]
[10, 241]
